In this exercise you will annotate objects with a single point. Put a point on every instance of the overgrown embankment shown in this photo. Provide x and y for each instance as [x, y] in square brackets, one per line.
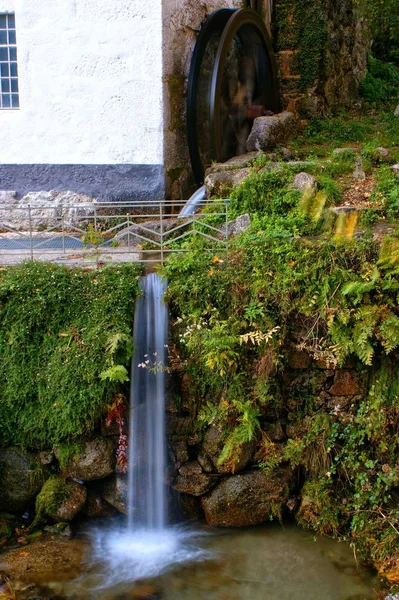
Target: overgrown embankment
[290, 342]
[65, 345]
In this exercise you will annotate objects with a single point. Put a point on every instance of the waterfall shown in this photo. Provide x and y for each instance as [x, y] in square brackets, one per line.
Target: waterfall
[147, 446]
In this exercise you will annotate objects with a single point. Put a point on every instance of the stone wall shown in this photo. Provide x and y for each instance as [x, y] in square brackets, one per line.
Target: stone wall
[321, 51]
[230, 494]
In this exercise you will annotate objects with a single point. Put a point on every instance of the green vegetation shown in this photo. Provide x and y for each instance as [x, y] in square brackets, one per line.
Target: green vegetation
[298, 276]
[381, 84]
[383, 19]
[48, 500]
[63, 335]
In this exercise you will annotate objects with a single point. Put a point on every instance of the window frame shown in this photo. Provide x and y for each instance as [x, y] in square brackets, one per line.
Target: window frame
[9, 80]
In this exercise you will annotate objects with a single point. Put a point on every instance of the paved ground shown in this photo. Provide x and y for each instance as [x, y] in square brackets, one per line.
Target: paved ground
[65, 250]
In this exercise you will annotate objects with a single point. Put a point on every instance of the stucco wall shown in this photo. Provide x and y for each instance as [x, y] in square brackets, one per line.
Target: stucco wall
[90, 80]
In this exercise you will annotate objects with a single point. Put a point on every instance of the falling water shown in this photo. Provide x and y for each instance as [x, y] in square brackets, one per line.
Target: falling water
[146, 488]
[193, 203]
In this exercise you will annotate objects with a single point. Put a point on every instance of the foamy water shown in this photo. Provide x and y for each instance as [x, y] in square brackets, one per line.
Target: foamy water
[125, 556]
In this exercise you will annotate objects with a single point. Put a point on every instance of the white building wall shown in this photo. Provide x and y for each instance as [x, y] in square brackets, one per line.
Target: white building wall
[90, 83]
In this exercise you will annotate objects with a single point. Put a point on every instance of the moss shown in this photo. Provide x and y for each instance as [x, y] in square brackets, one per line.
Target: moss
[302, 26]
[174, 173]
[68, 451]
[318, 510]
[49, 498]
[312, 40]
[56, 325]
[176, 98]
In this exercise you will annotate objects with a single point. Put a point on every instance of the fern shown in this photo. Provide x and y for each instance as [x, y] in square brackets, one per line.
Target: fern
[116, 373]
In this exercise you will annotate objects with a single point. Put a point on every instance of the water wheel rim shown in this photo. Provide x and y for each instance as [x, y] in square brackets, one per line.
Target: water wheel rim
[214, 24]
[241, 18]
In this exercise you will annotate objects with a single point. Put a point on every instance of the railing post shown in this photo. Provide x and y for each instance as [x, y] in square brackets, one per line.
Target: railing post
[30, 232]
[95, 236]
[63, 230]
[161, 229]
[226, 203]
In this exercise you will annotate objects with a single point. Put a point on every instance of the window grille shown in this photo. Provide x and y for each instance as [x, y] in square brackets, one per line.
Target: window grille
[9, 97]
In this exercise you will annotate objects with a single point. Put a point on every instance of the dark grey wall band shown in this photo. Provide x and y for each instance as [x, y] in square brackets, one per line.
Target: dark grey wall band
[106, 182]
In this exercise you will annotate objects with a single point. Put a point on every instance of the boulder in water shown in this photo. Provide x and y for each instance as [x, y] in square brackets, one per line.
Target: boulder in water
[115, 493]
[21, 476]
[247, 499]
[195, 484]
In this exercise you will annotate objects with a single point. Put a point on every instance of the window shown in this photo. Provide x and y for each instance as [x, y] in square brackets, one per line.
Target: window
[8, 63]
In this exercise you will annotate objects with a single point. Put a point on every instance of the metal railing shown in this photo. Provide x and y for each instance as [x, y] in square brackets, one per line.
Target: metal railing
[97, 232]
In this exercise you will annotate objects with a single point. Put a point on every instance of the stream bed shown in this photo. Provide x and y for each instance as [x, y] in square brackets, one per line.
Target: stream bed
[270, 562]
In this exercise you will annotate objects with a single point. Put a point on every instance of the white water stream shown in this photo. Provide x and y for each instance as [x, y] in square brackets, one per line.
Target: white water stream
[147, 445]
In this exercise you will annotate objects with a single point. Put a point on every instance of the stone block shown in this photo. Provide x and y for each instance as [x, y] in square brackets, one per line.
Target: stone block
[298, 359]
[303, 181]
[344, 384]
[247, 499]
[220, 183]
[269, 132]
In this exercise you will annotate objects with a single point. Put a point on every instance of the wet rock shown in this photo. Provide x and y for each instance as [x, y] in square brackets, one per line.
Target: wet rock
[95, 506]
[143, 592]
[95, 460]
[21, 476]
[205, 463]
[247, 499]
[195, 484]
[178, 425]
[238, 225]
[62, 529]
[358, 172]
[212, 448]
[345, 384]
[298, 359]
[190, 507]
[179, 451]
[221, 183]
[269, 132]
[60, 499]
[303, 181]
[190, 468]
[45, 561]
[115, 493]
